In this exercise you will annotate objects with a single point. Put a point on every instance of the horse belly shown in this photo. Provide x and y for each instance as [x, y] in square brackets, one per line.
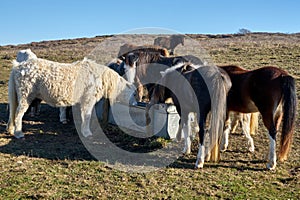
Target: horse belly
[251, 107]
[245, 107]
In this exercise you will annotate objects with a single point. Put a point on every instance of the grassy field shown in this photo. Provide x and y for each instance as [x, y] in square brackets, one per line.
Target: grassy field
[52, 163]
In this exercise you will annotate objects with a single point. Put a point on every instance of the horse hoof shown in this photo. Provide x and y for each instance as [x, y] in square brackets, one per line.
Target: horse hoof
[19, 134]
[199, 166]
[185, 152]
[87, 134]
[271, 167]
[251, 149]
[224, 148]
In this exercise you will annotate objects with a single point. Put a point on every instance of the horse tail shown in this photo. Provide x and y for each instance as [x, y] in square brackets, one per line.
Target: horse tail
[13, 103]
[254, 123]
[289, 115]
[218, 113]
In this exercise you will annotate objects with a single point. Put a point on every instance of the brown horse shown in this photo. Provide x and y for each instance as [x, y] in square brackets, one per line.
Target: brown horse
[127, 48]
[271, 91]
[169, 43]
[143, 67]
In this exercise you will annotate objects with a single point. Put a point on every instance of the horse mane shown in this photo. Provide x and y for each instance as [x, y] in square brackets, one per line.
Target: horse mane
[181, 68]
[233, 69]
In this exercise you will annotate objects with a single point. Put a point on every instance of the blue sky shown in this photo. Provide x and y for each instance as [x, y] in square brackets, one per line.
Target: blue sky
[37, 20]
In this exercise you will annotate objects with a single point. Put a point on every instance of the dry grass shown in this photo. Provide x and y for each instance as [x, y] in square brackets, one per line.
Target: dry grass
[52, 163]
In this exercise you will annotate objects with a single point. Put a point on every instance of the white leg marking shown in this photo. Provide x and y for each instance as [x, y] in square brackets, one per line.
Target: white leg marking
[22, 108]
[193, 125]
[224, 144]
[85, 126]
[272, 154]
[200, 157]
[187, 140]
[86, 113]
[246, 130]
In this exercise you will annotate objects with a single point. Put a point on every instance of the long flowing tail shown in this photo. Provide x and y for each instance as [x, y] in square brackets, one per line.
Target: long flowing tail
[13, 103]
[289, 116]
[218, 114]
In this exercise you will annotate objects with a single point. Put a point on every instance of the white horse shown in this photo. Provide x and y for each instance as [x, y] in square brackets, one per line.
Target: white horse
[27, 54]
[58, 84]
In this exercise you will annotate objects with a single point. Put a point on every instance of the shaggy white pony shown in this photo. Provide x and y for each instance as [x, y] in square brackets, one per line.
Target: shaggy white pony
[59, 84]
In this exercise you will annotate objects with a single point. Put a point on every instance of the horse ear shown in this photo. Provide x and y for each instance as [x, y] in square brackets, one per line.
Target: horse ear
[177, 60]
[135, 58]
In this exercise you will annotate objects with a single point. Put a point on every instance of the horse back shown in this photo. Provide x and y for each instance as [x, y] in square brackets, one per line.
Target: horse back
[253, 88]
[266, 83]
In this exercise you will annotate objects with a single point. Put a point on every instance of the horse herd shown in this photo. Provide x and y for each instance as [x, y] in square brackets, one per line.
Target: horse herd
[208, 93]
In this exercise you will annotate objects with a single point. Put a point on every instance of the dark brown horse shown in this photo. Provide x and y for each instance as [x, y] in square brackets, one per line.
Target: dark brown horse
[271, 91]
[195, 89]
[169, 43]
[143, 67]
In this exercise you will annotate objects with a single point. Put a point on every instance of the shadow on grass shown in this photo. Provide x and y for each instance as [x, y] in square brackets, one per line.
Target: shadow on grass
[45, 137]
[240, 165]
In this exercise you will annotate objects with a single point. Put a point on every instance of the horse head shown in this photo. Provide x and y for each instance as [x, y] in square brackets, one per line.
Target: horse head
[24, 55]
[130, 63]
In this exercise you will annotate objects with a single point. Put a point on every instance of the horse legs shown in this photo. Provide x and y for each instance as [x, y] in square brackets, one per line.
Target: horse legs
[236, 121]
[63, 115]
[35, 107]
[86, 113]
[254, 123]
[187, 139]
[188, 129]
[224, 144]
[201, 148]
[269, 123]
[246, 130]
[21, 109]
[140, 92]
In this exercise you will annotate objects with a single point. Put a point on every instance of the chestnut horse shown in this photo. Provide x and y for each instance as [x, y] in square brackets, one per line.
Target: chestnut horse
[272, 92]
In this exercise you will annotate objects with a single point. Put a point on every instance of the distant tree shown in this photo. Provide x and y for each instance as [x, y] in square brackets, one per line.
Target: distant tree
[244, 31]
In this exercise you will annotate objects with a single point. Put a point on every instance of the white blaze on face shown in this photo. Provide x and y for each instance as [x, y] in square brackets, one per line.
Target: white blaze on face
[130, 72]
